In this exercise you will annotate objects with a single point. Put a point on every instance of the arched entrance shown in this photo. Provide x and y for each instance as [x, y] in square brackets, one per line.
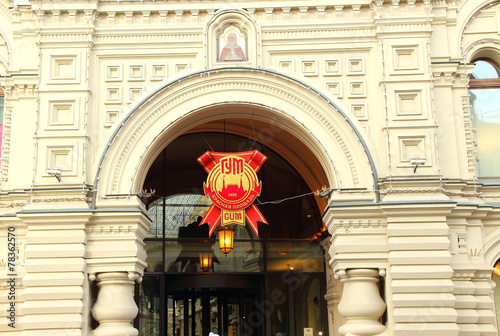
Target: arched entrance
[267, 285]
[317, 142]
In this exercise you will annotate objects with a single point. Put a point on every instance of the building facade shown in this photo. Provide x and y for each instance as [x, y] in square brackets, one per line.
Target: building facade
[379, 121]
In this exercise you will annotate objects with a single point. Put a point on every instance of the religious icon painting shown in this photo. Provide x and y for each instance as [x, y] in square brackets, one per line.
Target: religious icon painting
[232, 44]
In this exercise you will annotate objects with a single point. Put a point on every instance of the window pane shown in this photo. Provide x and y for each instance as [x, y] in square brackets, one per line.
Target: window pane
[149, 306]
[154, 251]
[1, 109]
[483, 70]
[184, 256]
[307, 300]
[279, 321]
[486, 111]
[295, 256]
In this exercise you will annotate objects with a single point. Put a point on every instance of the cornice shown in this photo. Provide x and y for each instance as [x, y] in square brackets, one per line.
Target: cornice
[149, 38]
[304, 33]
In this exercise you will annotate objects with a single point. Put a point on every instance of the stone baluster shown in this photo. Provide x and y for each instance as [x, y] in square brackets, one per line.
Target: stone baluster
[115, 307]
[361, 304]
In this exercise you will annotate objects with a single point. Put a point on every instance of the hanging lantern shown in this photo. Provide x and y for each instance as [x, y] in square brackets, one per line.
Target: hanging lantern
[206, 261]
[226, 238]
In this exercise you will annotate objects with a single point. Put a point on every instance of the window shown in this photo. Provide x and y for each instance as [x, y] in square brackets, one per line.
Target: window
[485, 101]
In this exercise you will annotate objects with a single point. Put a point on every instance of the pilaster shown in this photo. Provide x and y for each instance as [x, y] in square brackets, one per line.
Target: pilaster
[55, 281]
[12, 272]
[115, 240]
[421, 289]
[357, 253]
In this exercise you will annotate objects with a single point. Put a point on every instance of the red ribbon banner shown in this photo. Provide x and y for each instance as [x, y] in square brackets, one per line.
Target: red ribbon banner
[233, 186]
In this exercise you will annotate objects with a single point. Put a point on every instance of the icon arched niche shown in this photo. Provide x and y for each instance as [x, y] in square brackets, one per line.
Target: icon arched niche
[273, 100]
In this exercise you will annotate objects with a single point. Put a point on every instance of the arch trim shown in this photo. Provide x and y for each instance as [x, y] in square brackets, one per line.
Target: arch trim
[168, 84]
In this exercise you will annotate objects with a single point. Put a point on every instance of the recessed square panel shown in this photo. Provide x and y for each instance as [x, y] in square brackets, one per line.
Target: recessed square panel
[113, 95]
[309, 68]
[409, 104]
[111, 116]
[181, 67]
[332, 67]
[335, 88]
[158, 72]
[62, 114]
[405, 58]
[114, 73]
[359, 111]
[64, 158]
[286, 64]
[357, 89]
[63, 68]
[355, 66]
[136, 72]
[134, 93]
[412, 147]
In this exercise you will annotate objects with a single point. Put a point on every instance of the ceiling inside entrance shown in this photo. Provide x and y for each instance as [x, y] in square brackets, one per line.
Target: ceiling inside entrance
[272, 136]
[290, 170]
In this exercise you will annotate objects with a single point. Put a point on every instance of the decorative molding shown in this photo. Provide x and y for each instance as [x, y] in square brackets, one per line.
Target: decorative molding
[148, 37]
[110, 229]
[358, 223]
[469, 135]
[213, 87]
[295, 33]
[5, 9]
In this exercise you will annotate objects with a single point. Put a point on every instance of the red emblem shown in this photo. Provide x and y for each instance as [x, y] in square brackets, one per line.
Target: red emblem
[233, 186]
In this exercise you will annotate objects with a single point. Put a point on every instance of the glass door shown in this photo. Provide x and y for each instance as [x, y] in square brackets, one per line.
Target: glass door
[201, 311]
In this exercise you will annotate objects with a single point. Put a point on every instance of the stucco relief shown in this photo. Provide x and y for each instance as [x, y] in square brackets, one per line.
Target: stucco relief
[213, 86]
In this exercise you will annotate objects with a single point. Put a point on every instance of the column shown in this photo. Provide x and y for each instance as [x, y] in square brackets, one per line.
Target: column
[361, 304]
[115, 307]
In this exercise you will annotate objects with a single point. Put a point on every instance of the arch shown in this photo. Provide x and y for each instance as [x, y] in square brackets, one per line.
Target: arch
[483, 48]
[491, 248]
[5, 36]
[465, 13]
[194, 99]
[5, 8]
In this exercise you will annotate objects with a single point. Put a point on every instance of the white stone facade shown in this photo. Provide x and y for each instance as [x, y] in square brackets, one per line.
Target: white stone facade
[376, 90]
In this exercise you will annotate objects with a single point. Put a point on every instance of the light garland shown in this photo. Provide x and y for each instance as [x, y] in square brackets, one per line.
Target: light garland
[433, 105]
[88, 14]
[37, 112]
[380, 6]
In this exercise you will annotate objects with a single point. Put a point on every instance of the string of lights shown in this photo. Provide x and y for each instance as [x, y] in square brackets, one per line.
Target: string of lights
[89, 15]
[37, 112]
[380, 6]
[432, 88]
